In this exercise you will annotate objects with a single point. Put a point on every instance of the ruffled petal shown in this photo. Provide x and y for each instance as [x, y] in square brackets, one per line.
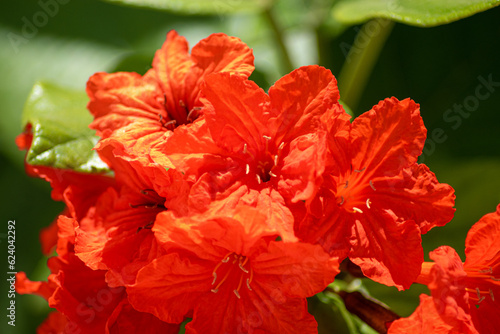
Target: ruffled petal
[236, 112]
[484, 313]
[48, 236]
[447, 285]
[265, 312]
[25, 286]
[170, 286]
[123, 98]
[298, 101]
[338, 124]
[482, 265]
[220, 193]
[428, 319]
[156, 183]
[192, 151]
[217, 53]
[329, 228]
[181, 74]
[117, 237]
[211, 235]
[126, 320]
[388, 250]
[483, 243]
[297, 270]
[417, 195]
[303, 167]
[171, 65]
[388, 138]
[82, 294]
[55, 323]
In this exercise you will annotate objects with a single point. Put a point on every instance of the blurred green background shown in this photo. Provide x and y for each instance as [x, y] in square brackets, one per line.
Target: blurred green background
[439, 67]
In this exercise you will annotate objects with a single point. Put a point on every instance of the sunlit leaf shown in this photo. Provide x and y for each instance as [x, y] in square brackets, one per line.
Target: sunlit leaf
[61, 137]
[425, 13]
[199, 6]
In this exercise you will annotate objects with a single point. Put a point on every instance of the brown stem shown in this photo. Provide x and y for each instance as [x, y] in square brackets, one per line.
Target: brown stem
[369, 310]
[352, 268]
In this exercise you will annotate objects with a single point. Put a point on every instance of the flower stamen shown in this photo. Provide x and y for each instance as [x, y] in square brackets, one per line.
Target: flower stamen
[246, 151]
[241, 264]
[267, 138]
[355, 209]
[148, 226]
[146, 191]
[167, 124]
[487, 271]
[236, 291]
[372, 186]
[182, 104]
[192, 112]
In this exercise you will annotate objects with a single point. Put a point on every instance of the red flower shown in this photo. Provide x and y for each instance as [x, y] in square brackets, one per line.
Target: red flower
[463, 294]
[142, 110]
[263, 150]
[108, 213]
[79, 293]
[376, 200]
[116, 236]
[231, 275]
[85, 302]
[115, 233]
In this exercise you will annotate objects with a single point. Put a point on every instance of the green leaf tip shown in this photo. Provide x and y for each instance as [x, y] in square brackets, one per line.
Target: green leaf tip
[425, 13]
[61, 137]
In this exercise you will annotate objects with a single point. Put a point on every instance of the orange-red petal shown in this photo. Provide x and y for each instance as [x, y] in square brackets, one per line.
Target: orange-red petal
[388, 138]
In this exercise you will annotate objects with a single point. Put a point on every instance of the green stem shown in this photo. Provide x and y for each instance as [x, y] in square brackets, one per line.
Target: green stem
[361, 59]
[278, 35]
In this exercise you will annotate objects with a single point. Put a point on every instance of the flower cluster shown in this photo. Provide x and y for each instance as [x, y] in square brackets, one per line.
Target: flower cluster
[228, 205]
[463, 294]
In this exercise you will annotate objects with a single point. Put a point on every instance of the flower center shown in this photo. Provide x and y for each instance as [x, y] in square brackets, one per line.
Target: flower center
[353, 194]
[231, 269]
[184, 115]
[482, 278]
[152, 201]
[264, 164]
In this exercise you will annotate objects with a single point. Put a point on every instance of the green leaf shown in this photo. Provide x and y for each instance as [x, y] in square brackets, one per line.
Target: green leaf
[61, 136]
[424, 13]
[199, 6]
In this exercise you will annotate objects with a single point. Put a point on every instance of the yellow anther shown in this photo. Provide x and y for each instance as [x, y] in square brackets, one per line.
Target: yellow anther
[355, 209]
